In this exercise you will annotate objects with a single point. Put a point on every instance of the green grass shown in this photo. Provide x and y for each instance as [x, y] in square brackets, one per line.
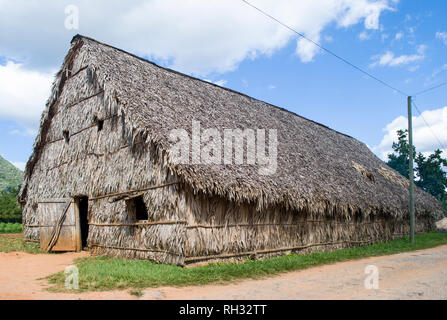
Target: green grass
[8, 227]
[100, 273]
[16, 242]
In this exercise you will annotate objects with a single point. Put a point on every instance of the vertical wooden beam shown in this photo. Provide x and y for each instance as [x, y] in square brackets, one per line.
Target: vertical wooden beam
[77, 226]
[410, 167]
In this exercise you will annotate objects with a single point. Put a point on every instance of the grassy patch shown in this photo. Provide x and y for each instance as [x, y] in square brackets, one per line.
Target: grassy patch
[101, 273]
[16, 242]
[8, 227]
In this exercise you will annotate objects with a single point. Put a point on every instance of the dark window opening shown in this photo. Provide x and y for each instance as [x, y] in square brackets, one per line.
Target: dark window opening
[100, 124]
[66, 136]
[137, 208]
[83, 219]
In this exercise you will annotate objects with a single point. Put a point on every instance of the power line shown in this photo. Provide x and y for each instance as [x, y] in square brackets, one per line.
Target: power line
[326, 50]
[353, 65]
[420, 113]
[430, 89]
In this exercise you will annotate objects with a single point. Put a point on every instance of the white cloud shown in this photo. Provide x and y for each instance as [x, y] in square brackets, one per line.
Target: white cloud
[25, 132]
[271, 87]
[221, 83]
[218, 82]
[194, 36]
[389, 59]
[197, 37]
[442, 36]
[19, 165]
[398, 36]
[364, 36]
[435, 73]
[328, 38]
[423, 137]
[23, 95]
[414, 68]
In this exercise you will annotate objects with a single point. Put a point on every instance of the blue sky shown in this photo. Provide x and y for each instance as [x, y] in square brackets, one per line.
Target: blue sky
[227, 42]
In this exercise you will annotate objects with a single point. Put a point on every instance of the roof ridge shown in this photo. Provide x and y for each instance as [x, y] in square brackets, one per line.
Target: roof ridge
[79, 36]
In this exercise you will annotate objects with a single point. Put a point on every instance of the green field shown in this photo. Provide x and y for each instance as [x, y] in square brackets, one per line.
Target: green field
[100, 273]
[16, 243]
[7, 227]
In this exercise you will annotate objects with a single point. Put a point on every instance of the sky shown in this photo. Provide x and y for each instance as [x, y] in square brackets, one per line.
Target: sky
[231, 44]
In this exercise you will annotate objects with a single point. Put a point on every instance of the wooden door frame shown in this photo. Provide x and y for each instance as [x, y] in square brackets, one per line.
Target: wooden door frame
[78, 224]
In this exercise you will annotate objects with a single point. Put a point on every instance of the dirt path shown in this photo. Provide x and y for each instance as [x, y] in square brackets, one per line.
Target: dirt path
[414, 275]
[19, 274]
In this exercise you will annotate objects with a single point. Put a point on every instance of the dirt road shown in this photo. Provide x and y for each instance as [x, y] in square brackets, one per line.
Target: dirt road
[414, 275]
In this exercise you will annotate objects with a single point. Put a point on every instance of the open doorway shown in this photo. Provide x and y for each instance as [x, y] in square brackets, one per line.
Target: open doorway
[83, 220]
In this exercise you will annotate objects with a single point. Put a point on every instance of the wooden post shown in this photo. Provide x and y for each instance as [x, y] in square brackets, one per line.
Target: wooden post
[411, 173]
[78, 226]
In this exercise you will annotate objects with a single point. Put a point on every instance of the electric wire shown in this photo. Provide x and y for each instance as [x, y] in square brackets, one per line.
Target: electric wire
[430, 89]
[354, 66]
[326, 50]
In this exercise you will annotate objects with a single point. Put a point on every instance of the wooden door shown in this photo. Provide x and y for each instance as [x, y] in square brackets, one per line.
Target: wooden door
[59, 224]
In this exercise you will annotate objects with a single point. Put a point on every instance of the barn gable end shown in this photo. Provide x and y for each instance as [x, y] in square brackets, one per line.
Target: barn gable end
[77, 159]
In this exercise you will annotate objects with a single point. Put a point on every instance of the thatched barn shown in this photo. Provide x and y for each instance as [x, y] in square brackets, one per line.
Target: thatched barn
[102, 174]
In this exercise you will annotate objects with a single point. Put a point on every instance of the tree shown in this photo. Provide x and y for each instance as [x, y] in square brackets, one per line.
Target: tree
[430, 172]
[9, 208]
[432, 177]
[399, 160]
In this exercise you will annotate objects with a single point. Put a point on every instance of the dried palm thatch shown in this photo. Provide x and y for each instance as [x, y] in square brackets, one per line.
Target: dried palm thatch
[329, 190]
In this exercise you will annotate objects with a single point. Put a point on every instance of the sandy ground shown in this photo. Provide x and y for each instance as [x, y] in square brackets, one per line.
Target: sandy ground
[414, 275]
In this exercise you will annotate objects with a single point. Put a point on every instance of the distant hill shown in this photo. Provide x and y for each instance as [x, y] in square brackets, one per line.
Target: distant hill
[10, 176]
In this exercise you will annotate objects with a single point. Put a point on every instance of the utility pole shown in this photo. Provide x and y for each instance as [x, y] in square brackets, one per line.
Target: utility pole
[411, 172]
